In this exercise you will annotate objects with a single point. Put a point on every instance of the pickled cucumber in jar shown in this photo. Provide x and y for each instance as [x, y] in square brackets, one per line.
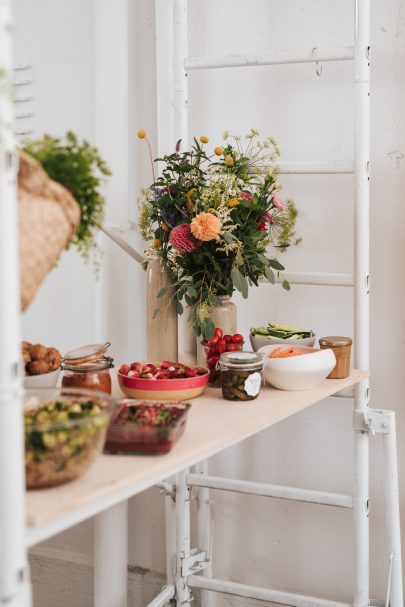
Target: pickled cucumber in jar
[241, 375]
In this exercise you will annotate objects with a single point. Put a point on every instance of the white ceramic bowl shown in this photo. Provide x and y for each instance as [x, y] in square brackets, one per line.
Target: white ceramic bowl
[44, 380]
[298, 372]
[258, 341]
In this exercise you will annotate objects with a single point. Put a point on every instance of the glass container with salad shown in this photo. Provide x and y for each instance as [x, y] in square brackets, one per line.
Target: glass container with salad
[146, 427]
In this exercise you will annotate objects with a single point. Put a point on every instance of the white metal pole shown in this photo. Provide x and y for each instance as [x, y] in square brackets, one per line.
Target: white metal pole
[269, 595]
[311, 55]
[183, 532]
[111, 557]
[205, 530]
[187, 341]
[361, 295]
[14, 577]
[308, 496]
[163, 598]
[392, 512]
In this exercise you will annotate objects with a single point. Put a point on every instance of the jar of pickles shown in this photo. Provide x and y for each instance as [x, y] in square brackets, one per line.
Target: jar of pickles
[88, 367]
[241, 375]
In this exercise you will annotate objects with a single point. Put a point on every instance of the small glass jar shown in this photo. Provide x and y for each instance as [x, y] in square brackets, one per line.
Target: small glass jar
[88, 367]
[241, 375]
[342, 348]
[212, 354]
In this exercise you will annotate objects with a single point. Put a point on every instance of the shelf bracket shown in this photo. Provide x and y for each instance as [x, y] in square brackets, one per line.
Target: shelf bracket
[376, 421]
[194, 563]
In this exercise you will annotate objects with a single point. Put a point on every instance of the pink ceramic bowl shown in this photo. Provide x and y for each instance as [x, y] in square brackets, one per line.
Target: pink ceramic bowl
[163, 389]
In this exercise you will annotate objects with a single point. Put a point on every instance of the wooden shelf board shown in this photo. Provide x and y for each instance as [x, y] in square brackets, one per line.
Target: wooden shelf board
[213, 425]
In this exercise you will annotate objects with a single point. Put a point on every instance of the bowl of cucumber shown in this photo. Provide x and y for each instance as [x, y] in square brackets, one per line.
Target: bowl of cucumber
[280, 334]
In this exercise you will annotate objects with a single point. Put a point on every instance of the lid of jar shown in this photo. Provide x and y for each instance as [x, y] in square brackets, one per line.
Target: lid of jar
[86, 354]
[100, 364]
[335, 341]
[242, 360]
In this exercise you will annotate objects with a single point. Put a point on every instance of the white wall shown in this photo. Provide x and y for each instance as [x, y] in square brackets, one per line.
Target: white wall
[257, 541]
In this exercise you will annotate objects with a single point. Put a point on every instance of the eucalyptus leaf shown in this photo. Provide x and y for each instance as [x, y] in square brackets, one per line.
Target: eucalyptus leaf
[240, 282]
[274, 263]
[270, 275]
[162, 292]
[286, 285]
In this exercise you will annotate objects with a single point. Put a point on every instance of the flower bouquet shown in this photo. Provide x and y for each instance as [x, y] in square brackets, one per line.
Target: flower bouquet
[212, 218]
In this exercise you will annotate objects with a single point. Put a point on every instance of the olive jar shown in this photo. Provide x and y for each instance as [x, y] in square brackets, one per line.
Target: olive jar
[241, 375]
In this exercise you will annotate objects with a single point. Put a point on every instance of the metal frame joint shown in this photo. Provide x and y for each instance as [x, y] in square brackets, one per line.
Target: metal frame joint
[376, 421]
[194, 563]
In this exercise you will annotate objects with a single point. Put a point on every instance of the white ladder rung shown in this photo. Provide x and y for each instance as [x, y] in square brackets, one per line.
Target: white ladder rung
[295, 494]
[326, 279]
[262, 594]
[328, 167]
[162, 599]
[313, 55]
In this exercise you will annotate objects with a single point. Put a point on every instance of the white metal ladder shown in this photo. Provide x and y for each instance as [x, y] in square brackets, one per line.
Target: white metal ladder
[365, 419]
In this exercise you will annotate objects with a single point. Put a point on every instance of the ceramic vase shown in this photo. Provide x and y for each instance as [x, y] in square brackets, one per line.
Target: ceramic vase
[223, 316]
[161, 331]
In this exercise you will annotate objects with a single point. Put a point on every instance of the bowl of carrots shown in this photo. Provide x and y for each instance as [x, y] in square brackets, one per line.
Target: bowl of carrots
[296, 367]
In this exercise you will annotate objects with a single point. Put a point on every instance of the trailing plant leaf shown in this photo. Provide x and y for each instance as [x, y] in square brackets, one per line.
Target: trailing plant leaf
[78, 166]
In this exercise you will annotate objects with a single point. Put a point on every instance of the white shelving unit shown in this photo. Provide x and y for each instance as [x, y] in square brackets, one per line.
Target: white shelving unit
[104, 491]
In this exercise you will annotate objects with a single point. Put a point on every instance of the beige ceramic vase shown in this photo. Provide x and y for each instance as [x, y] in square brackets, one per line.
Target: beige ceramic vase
[223, 316]
[161, 332]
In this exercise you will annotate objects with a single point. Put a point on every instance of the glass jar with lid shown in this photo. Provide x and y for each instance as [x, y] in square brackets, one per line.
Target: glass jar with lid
[241, 375]
[88, 367]
[342, 348]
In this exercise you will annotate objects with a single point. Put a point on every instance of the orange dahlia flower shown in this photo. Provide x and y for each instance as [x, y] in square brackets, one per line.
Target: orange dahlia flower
[205, 226]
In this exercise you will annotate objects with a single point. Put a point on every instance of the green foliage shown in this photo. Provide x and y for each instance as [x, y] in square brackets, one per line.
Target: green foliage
[78, 166]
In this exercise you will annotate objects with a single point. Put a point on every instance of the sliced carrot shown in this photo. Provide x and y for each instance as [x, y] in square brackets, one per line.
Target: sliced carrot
[284, 353]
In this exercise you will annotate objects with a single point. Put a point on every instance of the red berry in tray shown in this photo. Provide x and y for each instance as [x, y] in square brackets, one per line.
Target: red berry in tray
[227, 338]
[218, 332]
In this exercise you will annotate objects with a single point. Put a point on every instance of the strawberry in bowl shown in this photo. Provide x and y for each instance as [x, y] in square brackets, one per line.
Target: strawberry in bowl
[162, 381]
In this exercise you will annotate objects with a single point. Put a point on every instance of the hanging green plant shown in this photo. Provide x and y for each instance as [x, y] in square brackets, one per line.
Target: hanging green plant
[78, 166]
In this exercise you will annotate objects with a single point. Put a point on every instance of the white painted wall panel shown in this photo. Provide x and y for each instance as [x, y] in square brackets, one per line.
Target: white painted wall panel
[257, 541]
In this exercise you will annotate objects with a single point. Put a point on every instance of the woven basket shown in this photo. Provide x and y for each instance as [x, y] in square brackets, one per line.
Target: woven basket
[48, 219]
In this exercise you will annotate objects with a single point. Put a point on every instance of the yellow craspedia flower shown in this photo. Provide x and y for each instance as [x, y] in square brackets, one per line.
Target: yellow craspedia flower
[218, 151]
[156, 243]
[233, 202]
[229, 161]
[141, 134]
[190, 193]
[190, 205]
[204, 139]
[164, 226]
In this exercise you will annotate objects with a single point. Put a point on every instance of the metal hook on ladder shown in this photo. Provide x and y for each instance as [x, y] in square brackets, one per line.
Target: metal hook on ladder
[318, 67]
